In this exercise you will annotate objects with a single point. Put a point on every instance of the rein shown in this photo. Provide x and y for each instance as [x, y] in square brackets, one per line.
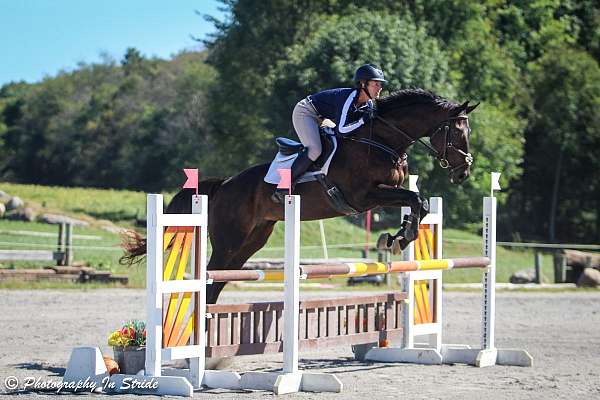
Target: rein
[440, 156]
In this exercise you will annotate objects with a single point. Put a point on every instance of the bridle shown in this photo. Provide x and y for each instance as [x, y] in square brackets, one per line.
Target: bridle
[443, 128]
[449, 145]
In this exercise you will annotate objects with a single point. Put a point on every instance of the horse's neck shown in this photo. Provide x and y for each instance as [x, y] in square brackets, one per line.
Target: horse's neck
[415, 122]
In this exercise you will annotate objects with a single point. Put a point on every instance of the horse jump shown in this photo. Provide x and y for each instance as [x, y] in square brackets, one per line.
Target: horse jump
[178, 315]
[262, 327]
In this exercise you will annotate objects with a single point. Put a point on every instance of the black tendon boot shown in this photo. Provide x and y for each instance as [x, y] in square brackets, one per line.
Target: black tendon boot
[301, 164]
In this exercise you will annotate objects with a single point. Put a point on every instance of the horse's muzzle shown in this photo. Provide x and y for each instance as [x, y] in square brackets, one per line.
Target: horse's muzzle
[458, 177]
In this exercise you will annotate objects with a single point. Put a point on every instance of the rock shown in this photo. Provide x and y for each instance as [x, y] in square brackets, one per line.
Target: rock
[582, 259]
[22, 214]
[590, 277]
[61, 219]
[523, 276]
[14, 203]
[114, 229]
[2, 210]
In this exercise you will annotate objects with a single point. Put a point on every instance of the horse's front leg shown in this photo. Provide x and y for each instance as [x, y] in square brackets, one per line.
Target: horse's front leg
[398, 197]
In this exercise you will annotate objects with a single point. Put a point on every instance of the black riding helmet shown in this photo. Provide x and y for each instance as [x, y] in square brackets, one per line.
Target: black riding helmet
[368, 72]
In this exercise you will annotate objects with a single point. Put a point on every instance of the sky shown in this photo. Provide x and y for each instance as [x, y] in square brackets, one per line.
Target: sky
[38, 38]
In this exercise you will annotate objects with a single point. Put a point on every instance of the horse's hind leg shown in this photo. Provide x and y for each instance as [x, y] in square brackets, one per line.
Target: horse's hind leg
[225, 257]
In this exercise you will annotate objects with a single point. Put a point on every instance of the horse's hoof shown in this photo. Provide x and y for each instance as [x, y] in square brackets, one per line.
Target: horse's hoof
[396, 247]
[384, 241]
[400, 244]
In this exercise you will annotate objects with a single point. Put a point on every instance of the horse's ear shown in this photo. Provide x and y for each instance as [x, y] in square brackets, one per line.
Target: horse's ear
[468, 109]
[458, 110]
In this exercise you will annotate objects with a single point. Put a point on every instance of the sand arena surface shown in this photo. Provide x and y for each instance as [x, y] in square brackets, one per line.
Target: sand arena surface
[560, 330]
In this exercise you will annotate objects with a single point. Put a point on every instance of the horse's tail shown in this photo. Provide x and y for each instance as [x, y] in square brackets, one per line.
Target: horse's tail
[134, 244]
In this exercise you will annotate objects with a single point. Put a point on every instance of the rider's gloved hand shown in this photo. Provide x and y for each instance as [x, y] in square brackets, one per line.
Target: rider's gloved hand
[369, 112]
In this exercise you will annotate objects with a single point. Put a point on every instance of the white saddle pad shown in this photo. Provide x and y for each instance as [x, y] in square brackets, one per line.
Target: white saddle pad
[285, 162]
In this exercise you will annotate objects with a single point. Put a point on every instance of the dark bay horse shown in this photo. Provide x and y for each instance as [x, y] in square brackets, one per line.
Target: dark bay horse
[368, 168]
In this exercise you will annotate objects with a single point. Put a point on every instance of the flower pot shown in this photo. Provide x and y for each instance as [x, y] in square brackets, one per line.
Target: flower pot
[131, 359]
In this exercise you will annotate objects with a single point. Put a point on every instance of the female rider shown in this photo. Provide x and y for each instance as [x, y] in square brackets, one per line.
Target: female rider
[349, 108]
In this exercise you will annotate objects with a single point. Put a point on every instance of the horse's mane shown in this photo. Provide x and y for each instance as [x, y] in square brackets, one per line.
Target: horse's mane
[408, 97]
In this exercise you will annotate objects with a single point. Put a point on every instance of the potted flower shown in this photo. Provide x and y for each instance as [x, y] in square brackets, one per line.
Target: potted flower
[129, 346]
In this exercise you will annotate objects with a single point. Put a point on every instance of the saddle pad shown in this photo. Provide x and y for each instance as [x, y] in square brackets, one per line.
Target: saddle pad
[285, 162]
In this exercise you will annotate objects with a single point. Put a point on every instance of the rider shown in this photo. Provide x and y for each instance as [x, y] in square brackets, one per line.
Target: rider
[349, 108]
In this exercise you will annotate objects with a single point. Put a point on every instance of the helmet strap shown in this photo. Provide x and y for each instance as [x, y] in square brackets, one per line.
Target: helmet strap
[363, 86]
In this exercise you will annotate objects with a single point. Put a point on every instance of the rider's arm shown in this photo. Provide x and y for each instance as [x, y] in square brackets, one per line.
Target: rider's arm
[342, 127]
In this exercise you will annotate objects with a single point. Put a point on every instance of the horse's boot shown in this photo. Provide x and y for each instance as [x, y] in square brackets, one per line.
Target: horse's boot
[301, 164]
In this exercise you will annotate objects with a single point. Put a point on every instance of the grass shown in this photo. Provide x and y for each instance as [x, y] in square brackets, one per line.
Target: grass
[119, 206]
[124, 207]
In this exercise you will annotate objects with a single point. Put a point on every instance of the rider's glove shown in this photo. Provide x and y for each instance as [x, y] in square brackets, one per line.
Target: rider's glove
[369, 112]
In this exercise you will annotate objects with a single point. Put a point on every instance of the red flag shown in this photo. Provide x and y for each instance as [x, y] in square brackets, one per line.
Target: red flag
[192, 179]
[286, 179]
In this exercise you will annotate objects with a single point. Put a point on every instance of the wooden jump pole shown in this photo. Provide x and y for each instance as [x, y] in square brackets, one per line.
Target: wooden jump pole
[346, 270]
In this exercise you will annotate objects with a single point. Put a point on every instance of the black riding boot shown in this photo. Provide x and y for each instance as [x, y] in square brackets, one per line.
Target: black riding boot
[301, 164]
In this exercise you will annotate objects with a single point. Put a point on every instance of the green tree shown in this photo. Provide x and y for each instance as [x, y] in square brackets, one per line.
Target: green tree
[560, 187]
[244, 51]
[330, 54]
[129, 126]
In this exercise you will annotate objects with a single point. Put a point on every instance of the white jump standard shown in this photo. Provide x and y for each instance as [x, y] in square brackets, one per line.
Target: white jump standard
[433, 351]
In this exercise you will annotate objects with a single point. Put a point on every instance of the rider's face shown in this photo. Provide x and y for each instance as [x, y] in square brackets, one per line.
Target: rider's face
[374, 88]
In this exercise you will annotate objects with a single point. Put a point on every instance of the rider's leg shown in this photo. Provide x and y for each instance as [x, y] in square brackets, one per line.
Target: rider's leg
[306, 124]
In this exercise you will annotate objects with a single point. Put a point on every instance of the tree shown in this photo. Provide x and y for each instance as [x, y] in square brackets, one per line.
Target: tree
[560, 184]
[329, 56]
[244, 51]
[130, 126]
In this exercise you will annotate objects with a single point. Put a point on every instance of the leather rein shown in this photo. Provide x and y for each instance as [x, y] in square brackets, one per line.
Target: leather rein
[398, 159]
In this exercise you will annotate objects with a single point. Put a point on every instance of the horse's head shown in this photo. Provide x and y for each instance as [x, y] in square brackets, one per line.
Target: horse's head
[451, 142]
[409, 114]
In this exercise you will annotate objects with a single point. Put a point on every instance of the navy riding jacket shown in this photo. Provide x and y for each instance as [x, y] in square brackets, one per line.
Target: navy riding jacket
[338, 105]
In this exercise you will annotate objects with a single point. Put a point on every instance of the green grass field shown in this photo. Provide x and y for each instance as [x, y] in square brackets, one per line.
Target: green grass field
[100, 249]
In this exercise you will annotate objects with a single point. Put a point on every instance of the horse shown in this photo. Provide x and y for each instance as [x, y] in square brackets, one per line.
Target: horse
[368, 168]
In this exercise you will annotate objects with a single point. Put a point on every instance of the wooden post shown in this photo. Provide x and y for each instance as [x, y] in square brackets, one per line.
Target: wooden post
[489, 277]
[198, 257]
[538, 267]
[154, 261]
[385, 256]
[560, 267]
[292, 284]
[61, 243]
[69, 245]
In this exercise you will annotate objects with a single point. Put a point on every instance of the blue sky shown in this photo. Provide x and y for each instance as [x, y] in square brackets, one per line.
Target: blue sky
[40, 37]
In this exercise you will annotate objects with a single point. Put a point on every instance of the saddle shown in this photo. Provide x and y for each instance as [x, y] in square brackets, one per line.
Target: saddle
[288, 150]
